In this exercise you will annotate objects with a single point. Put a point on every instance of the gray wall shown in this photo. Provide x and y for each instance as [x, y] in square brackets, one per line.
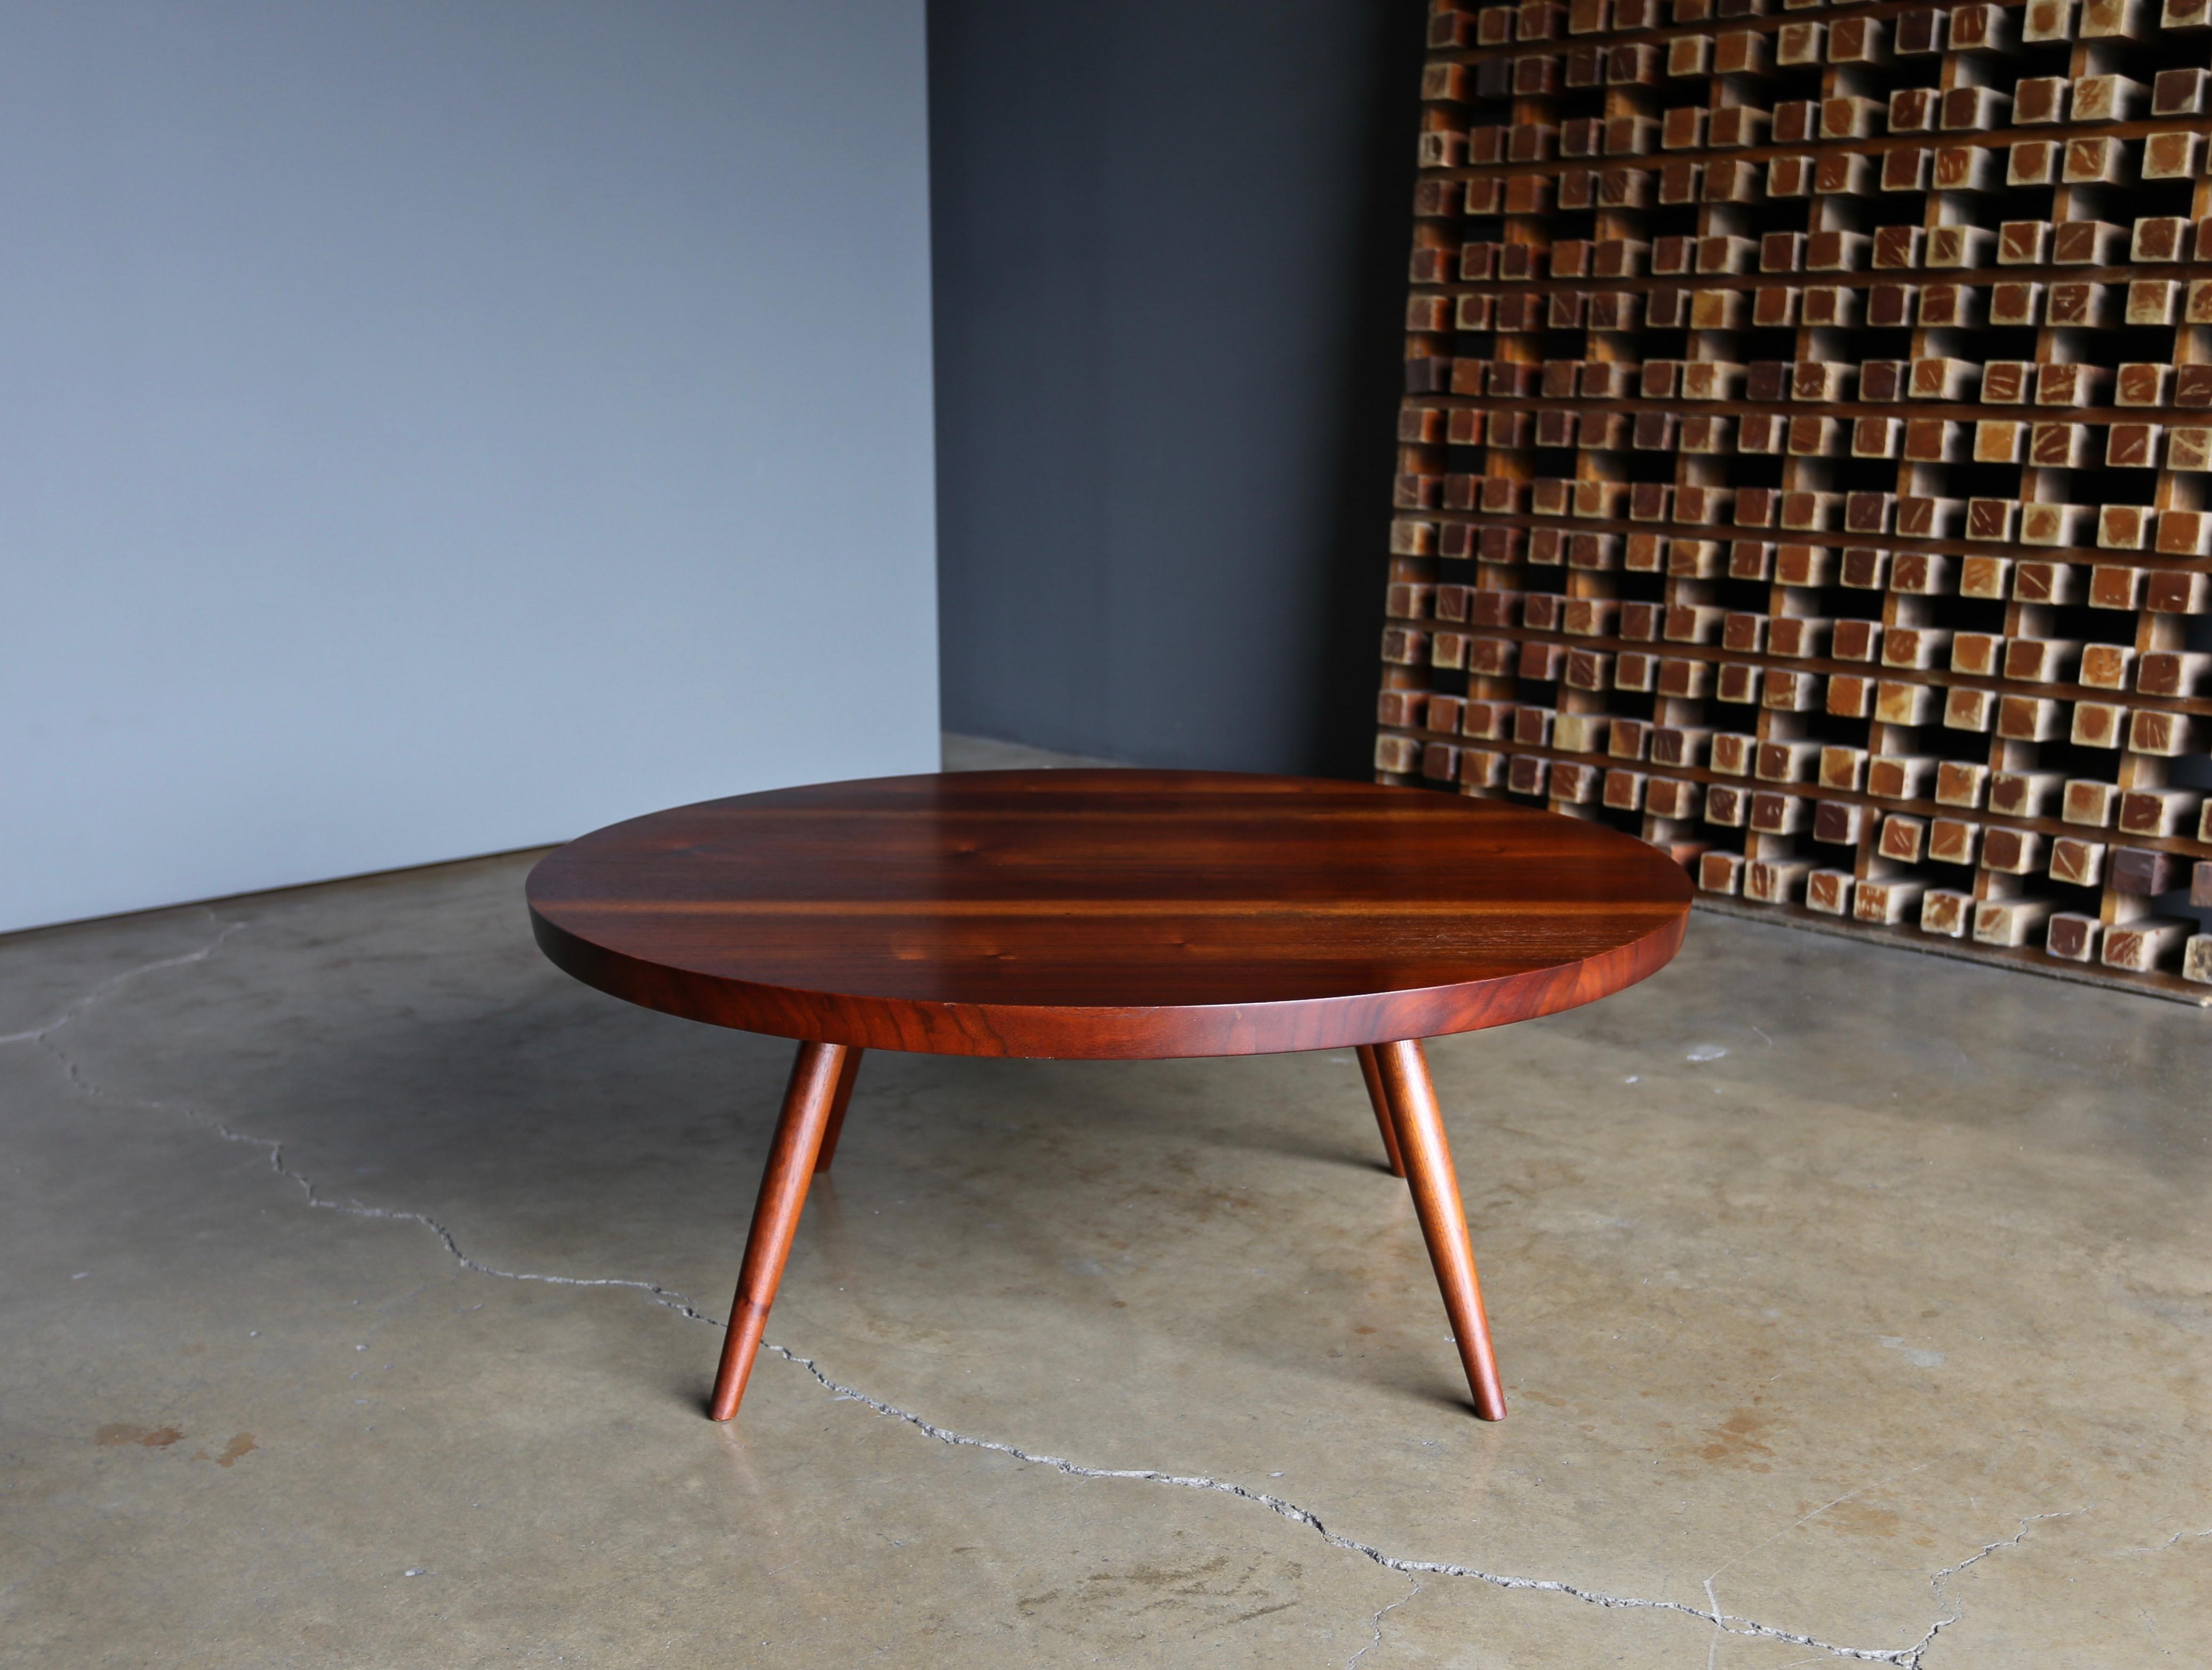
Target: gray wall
[1169, 257]
[438, 428]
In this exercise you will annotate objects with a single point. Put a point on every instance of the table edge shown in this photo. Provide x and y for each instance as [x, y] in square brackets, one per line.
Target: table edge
[1040, 1032]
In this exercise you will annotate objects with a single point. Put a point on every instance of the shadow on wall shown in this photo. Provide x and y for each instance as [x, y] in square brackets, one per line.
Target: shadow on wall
[1169, 249]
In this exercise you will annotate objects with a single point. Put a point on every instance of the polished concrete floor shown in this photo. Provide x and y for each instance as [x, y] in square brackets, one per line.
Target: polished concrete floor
[363, 1272]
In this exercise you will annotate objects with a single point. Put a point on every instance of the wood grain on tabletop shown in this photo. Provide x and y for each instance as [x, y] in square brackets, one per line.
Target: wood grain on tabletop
[1107, 914]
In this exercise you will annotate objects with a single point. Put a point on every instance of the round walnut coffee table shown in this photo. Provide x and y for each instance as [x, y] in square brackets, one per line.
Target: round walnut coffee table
[1108, 915]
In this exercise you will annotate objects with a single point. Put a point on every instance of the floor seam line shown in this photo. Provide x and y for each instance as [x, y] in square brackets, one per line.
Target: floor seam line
[1907, 1657]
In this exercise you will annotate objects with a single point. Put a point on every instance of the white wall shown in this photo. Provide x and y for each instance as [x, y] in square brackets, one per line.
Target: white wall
[436, 427]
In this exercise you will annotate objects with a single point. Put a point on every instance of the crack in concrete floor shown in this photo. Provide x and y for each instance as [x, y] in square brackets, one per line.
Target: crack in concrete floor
[1948, 1572]
[1909, 1658]
[1375, 1622]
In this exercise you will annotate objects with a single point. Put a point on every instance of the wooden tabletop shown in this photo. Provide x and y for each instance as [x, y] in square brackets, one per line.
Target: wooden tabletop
[1107, 914]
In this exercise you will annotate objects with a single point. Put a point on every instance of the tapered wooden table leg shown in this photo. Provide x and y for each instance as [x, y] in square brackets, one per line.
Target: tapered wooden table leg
[847, 1075]
[1373, 1075]
[806, 1105]
[1413, 1099]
